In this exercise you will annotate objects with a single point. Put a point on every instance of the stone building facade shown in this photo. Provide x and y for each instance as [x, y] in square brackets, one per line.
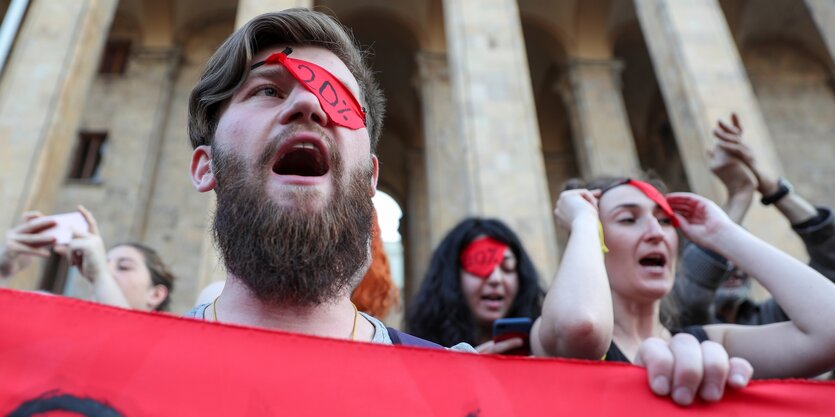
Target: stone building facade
[493, 104]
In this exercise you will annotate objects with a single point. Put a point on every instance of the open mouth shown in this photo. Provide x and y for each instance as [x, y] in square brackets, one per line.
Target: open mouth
[655, 259]
[305, 159]
[492, 297]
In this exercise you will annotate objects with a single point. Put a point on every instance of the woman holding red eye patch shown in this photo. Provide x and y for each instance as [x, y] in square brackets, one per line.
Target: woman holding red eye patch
[478, 273]
[638, 225]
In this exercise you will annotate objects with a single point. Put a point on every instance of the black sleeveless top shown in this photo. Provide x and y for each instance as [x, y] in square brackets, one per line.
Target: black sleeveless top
[615, 355]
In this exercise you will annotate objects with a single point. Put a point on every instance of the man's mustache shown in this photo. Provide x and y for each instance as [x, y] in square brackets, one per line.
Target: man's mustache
[275, 143]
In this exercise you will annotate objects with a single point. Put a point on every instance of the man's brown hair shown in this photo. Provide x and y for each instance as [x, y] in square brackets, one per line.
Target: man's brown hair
[229, 66]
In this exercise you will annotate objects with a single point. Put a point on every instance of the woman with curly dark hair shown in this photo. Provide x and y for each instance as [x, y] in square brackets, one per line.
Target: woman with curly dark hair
[455, 304]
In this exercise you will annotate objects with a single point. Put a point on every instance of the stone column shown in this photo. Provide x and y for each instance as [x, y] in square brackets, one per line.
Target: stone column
[449, 185]
[823, 13]
[418, 224]
[494, 107]
[702, 79]
[163, 64]
[602, 135]
[42, 96]
[247, 9]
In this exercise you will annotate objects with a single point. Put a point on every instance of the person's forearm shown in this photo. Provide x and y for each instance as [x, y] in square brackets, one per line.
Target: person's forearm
[107, 291]
[738, 204]
[577, 317]
[796, 209]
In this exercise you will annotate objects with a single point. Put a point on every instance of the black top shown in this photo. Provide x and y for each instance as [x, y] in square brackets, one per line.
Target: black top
[615, 355]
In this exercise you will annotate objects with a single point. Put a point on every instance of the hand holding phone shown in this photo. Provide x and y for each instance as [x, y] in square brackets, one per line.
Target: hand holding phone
[64, 225]
[515, 327]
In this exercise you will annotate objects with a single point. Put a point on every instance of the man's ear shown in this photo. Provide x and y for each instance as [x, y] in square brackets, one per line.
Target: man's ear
[202, 175]
[375, 172]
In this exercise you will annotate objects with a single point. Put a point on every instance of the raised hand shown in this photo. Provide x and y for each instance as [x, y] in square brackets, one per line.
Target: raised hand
[730, 140]
[729, 157]
[574, 204]
[86, 250]
[702, 221]
[25, 241]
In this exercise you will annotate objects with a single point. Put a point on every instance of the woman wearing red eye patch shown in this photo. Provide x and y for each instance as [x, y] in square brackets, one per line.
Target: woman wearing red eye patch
[638, 226]
[478, 273]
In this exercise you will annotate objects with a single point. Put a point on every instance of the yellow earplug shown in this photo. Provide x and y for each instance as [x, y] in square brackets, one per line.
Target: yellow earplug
[602, 241]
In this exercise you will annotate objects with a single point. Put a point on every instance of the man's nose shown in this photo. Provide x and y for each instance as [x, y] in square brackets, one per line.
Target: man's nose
[303, 106]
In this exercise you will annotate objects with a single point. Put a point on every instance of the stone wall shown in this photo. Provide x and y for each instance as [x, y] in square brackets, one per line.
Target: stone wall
[796, 94]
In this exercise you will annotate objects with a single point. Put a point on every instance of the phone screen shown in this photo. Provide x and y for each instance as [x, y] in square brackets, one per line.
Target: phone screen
[509, 328]
[64, 225]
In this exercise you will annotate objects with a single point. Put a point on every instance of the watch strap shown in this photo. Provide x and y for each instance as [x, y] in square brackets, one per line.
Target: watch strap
[782, 191]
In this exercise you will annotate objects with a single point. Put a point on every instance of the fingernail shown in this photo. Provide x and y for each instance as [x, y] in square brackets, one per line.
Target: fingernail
[738, 379]
[711, 392]
[661, 385]
[683, 396]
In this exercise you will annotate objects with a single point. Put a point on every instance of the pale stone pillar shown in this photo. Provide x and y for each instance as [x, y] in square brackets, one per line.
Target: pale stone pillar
[42, 96]
[449, 183]
[494, 106]
[419, 226]
[247, 9]
[823, 13]
[178, 222]
[602, 135]
[702, 79]
[163, 64]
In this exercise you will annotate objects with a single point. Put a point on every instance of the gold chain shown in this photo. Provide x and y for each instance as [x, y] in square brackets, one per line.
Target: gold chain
[354, 329]
[214, 308]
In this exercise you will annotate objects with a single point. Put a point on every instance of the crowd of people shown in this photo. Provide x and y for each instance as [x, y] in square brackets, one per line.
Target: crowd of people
[294, 175]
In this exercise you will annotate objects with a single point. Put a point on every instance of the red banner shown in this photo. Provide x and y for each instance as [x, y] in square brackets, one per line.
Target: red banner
[105, 361]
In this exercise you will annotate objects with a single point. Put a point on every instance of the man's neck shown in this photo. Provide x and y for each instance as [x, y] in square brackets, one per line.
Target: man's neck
[335, 319]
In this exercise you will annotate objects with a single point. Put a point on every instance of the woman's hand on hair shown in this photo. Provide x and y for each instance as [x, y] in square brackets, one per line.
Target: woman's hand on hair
[498, 348]
[702, 221]
[576, 204]
[683, 368]
[25, 241]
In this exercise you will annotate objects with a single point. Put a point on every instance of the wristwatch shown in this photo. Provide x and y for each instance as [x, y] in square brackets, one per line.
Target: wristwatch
[784, 187]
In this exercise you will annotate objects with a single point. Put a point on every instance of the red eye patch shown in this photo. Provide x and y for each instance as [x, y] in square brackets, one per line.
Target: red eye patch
[482, 256]
[653, 194]
[337, 101]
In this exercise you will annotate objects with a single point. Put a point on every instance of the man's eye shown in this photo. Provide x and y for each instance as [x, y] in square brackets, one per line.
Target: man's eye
[267, 91]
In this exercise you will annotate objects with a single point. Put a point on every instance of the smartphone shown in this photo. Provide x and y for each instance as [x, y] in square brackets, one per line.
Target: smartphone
[508, 328]
[64, 225]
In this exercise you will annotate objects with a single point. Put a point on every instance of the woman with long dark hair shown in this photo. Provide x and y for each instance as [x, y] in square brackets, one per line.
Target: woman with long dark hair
[454, 305]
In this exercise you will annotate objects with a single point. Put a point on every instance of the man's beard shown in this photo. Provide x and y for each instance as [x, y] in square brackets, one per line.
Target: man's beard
[730, 296]
[291, 256]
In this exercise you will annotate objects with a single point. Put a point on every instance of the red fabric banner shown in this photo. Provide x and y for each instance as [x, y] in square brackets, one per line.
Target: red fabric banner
[147, 364]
